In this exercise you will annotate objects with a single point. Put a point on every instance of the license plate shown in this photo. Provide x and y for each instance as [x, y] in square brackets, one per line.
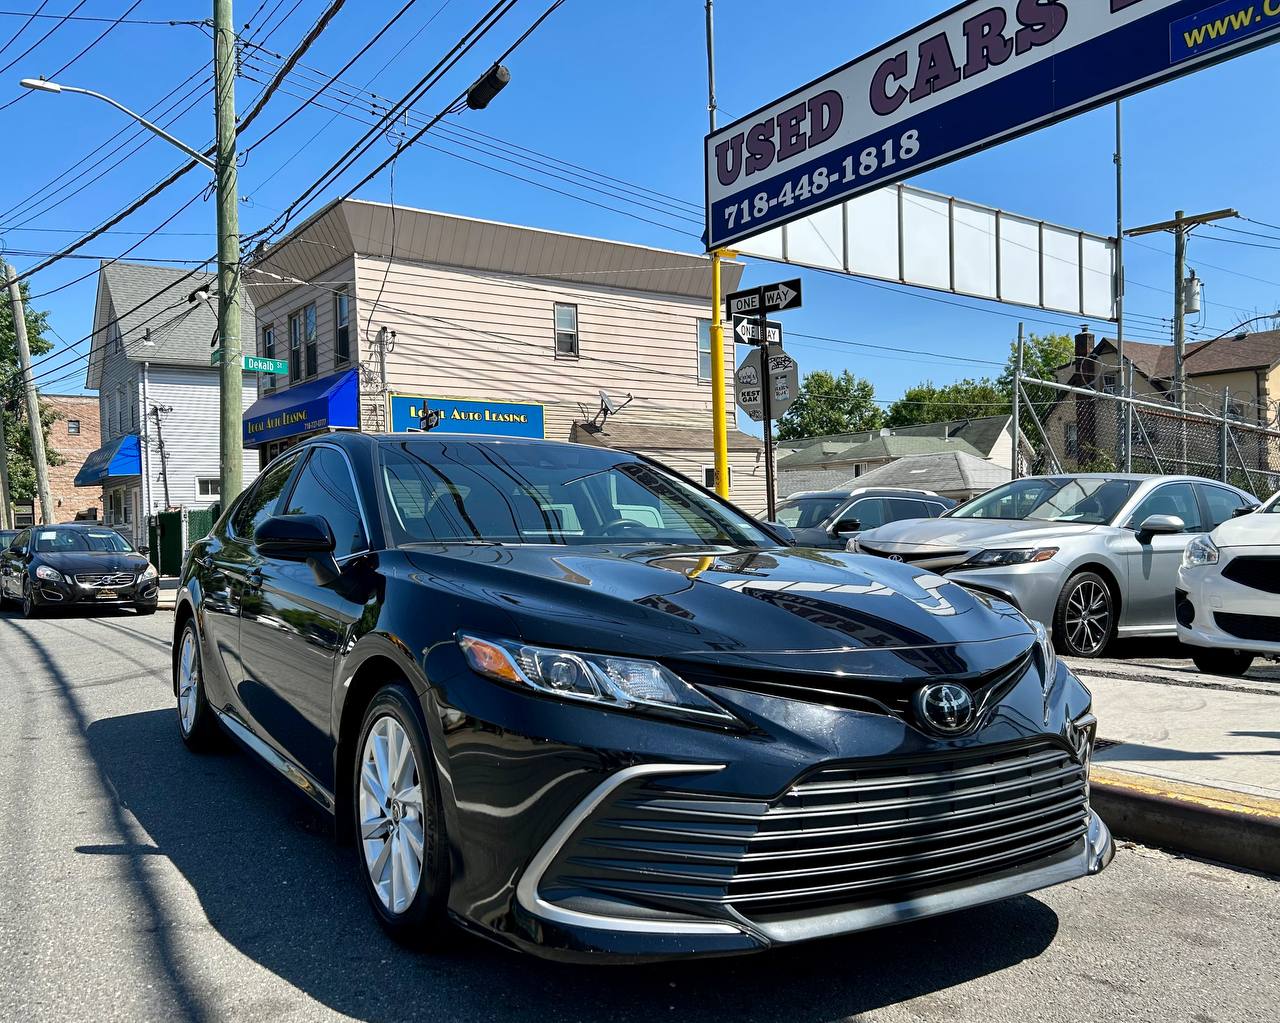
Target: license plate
[108, 594]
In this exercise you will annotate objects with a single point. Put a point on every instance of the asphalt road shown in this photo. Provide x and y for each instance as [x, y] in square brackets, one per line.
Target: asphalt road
[138, 882]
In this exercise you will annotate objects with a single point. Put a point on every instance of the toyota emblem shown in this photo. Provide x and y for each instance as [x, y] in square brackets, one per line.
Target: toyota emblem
[895, 557]
[945, 707]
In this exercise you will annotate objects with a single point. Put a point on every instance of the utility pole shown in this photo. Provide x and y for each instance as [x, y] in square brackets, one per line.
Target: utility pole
[231, 446]
[719, 424]
[33, 397]
[1126, 439]
[156, 412]
[1017, 402]
[6, 509]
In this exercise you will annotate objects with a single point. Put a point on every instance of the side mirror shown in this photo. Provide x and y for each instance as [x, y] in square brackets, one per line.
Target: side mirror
[846, 526]
[305, 538]
[1160, 525]
[1248, 509]
[783, 533]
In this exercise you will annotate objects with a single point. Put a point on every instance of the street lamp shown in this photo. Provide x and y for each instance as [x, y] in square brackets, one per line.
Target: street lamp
[1244, 323]
[41, 85]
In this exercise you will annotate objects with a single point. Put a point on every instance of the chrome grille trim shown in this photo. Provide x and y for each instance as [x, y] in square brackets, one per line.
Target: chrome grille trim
[105, 579]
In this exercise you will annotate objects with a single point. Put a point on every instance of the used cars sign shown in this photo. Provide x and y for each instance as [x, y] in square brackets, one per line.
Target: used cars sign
[986, 71]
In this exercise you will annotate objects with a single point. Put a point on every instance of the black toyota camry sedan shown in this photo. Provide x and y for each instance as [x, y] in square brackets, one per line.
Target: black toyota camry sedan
[76, 565]
[580, 705]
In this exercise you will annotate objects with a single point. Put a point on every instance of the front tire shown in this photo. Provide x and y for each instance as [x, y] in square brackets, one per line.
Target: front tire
[196, 722]
[30, 609]
[398, 822]
[1231, 663]
[1084, 620]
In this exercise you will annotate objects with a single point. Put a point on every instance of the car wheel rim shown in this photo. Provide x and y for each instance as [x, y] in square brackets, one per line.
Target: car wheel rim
[1088, 617]
[188, 682]
[391, 819]
[26, 599]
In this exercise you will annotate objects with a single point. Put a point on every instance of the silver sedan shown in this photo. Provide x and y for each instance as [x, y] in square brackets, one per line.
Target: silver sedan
[1091, 556]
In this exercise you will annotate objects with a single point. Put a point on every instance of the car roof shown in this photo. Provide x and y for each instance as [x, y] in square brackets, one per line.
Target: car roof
[863, 492]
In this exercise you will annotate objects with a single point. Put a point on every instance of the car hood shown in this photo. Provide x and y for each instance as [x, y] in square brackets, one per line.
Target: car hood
[1254, 530]
[790, 608]
[76, 562]
[965, 534]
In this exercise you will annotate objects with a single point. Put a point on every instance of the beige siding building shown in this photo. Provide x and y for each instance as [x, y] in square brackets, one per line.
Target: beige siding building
[501, 330]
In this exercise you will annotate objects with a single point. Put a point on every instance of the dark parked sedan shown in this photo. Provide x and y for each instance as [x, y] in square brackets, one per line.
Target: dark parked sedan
[829, 518]
[577, 704]
[76, 565]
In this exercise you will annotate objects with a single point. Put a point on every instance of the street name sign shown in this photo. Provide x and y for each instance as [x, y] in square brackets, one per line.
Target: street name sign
[765, 299]
[784, 376]
[253, 363]
[984, 72]
[747, 330]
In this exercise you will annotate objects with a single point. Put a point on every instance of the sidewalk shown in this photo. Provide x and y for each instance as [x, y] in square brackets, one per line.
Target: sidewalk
[168, 598]
[1191, 763]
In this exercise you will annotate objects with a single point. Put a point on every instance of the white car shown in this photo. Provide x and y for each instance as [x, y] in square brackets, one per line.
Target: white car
[1228, 597]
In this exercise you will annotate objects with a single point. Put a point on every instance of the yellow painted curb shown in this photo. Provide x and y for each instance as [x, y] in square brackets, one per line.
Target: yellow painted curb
[1222, 800]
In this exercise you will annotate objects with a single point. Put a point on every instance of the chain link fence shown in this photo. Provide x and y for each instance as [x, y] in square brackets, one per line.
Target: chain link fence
[1075, 429]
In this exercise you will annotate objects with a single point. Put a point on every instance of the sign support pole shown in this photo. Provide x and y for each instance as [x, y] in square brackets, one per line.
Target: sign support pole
[719, 423]
[766, 406]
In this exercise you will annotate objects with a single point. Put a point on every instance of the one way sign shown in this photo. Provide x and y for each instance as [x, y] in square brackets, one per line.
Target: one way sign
[747, 330]
[768, 298]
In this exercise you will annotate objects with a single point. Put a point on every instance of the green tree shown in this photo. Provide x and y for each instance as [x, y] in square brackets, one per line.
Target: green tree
[831, 404]
[965, 399]
[22, 476]
[1042, 354]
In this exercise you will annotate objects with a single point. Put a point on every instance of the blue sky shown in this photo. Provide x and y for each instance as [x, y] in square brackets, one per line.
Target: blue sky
[620, 88]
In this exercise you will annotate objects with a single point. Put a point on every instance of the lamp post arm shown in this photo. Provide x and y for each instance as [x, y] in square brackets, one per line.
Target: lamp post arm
[153, 128]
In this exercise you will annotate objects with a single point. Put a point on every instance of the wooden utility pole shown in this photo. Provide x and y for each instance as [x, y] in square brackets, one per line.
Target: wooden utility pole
[230, 372]
[6, 509]
[33, 397]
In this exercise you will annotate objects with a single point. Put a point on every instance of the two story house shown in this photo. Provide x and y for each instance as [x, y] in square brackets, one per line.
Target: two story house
[382, 312]
[158, 394]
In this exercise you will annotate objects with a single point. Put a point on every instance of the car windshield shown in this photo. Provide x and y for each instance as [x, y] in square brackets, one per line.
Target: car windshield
[807, 512]
[58, 541]
[1272, 507]
[518, 492]
[1092, 500]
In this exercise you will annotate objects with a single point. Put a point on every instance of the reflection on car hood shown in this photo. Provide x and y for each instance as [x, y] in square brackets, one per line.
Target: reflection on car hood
[953, 534]
[785, 606]
[79, 562]
[1256, 530]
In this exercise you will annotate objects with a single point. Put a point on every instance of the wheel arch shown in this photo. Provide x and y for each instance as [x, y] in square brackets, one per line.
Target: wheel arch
[1108, 576]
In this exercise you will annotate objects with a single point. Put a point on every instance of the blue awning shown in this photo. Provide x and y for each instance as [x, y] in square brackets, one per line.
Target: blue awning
[332, 401]
[121, 457]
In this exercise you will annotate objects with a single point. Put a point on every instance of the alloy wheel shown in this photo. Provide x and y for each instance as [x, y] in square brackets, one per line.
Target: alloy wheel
[391, 814]
[188, 682]
[1088, 617]
[28, 601]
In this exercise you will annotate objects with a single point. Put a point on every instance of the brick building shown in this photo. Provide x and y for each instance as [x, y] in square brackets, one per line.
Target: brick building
[73, 435]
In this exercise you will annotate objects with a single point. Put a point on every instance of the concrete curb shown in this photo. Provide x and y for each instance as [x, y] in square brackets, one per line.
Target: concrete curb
[1232, 827]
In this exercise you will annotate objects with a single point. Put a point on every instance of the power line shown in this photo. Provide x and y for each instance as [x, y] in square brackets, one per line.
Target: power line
[62, 20]
[30, 18]
[123, 20]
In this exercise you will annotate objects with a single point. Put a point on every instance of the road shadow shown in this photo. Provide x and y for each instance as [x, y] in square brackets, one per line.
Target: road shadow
[274, 885]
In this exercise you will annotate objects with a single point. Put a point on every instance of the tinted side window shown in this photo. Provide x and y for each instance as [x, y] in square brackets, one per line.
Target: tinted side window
[325, 488]
[1171, 499]
[934, 509]
[870, 511]
[907, 508]
[21, 541]
[1221, 504]
[260, 502]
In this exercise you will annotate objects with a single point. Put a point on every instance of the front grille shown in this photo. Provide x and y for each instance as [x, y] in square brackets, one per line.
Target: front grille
[945, 558]
[847, 834]
[859, 692]
[105, 579]
[1264, 628]
[1258, 573]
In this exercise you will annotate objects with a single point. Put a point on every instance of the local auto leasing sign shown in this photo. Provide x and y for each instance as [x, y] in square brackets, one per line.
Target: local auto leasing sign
[985, 71]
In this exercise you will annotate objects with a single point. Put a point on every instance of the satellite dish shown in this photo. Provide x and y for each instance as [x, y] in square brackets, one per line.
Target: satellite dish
[608, 404]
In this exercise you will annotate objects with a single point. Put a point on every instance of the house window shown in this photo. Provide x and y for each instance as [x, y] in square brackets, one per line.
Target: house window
[133, 406]
[117, 339]
[269, 352]
[208, 486]
[311, 340]
[566, 330]
[341, 328]
[73, 427]
[122, 417]
[295, 348]
[1111, 383]
[1072, 437]
[709, 476]
[704, 349]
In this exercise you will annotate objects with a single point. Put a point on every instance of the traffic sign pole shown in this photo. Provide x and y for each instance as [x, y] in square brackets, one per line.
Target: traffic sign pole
[766, 406]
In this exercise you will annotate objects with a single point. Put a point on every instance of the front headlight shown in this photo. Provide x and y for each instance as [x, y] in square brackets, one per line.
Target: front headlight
[50, 574]
[148, 573]
[1200, 551]
[620, 682]
[1015, 556]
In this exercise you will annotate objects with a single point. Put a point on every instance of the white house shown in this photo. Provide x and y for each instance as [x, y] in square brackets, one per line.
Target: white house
[157, 394]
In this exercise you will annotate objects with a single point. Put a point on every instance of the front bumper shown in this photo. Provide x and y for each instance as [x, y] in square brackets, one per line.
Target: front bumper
[586, 834]
[1033, 589]
[1203, 594]
[70, 593]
